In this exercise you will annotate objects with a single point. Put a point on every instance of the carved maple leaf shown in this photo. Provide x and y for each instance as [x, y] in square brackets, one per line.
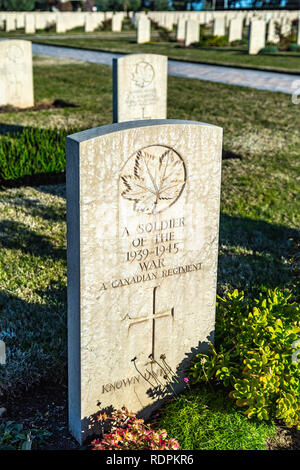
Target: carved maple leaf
[154, 179]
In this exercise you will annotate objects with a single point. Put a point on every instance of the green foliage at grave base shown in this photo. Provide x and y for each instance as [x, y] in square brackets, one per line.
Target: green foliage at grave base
[268, 50]
[294, 47]
[256, 340]
[204, 419]
[32, 152]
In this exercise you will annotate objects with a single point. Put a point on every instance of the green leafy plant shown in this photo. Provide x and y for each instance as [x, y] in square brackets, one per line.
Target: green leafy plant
[131, 433]
[13, 436]
[253, 355]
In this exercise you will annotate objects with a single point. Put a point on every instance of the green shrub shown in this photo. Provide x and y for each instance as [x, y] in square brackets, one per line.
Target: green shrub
[268, 50]
[294, 47]
[205, 419]
[253, 355]
[14, 437]
[210, 40]
[32, 152]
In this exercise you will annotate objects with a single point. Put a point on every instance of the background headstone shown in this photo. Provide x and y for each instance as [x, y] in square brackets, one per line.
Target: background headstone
[29, 24]
[143, 32]
[271, 33]
[192, 32]
[219, 27]
[143, 216]
[180, 29]
[2, 353]
[235, 30]
[140, 87]
[16, 83]
[257, 34]
[116, 23]
[60, 23]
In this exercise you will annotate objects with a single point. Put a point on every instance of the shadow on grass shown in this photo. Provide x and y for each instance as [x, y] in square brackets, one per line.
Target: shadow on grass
[17, 236]
[35, 334]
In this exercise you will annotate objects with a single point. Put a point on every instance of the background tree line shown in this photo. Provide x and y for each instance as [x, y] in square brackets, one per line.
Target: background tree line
[135, 5]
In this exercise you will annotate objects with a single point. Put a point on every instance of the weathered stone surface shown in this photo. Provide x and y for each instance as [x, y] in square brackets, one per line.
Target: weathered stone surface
[257, 34]
[192, 32]
[140, 87]
[143, 32]
[142, 216]
[16, 84]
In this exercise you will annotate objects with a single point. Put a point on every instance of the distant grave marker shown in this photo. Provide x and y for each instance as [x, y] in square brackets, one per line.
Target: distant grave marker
[16, 83]
[140, 87]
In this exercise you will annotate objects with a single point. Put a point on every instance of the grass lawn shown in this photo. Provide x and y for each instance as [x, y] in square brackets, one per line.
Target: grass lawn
[259, 209]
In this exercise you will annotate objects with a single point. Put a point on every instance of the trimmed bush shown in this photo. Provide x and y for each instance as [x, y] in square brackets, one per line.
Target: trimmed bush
[268, 50]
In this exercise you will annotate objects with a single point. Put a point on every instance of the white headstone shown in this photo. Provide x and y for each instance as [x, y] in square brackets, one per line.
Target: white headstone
[192, 32]
[180, 34]
[219, 26]
[235, 29]
[60, 23]
[257, 34]
[10, 23]
[140, 87]
[116, 23]
[298, 32]
[168, 22]
[143, 33]
[143, 217]
[16, 83]
[29, 24]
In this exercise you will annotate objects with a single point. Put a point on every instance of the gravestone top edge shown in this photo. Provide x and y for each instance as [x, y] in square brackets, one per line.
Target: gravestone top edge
[128, 125]
[139, 54]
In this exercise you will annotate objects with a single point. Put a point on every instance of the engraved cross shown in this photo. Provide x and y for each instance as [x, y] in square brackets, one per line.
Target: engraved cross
[143, 115]
[152, 317]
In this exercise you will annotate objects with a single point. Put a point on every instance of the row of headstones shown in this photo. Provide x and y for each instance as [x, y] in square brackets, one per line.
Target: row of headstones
[91, 21]
[139, 82]
[142, 245]
[63, 21]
